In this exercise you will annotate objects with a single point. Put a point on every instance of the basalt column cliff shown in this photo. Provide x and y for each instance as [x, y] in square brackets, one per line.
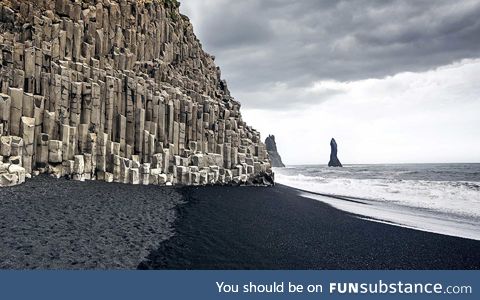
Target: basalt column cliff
[117, 90]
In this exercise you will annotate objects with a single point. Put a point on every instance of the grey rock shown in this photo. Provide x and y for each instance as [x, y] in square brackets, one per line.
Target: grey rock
[334, 161]
[85, 85]
[273, 152]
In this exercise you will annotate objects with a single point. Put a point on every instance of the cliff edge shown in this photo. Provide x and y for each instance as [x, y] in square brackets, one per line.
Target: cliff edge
[119, 91]
[273, 154]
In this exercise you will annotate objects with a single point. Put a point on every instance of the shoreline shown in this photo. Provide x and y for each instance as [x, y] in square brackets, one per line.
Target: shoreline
[399, 215]
[274, 228]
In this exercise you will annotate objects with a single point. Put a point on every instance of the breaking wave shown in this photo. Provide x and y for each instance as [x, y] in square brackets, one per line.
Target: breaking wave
[396, 194]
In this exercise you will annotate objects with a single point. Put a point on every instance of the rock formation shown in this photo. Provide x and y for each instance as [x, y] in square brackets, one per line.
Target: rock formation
[275, 158]
[120, 91]
[334, 161]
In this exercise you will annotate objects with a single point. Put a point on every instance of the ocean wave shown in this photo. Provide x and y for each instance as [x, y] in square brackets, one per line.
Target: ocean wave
[452, 197]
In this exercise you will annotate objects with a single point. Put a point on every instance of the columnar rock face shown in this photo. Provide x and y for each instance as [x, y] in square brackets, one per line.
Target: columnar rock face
[334, 161]
[273, 152]
[117, 90]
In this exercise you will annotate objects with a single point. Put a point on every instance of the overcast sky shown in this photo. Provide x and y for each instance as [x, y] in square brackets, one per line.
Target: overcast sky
[392, 81]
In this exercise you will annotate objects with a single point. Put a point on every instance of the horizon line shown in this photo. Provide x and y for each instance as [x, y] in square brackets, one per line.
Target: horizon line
[389, 163]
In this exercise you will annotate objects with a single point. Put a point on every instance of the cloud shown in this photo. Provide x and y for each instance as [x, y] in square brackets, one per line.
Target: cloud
[410, 117]
[391, 80]
[261, 43]
[282, 97]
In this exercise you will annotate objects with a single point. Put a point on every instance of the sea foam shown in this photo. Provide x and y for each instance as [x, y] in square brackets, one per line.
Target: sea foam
[401, 197]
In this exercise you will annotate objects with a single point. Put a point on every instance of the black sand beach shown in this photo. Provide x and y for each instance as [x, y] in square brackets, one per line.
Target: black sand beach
[274, 228]
[62, 224]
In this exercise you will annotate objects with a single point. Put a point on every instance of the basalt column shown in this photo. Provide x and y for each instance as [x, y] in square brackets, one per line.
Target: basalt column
[117, 90]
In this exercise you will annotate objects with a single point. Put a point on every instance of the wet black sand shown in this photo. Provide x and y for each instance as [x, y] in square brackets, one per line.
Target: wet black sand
[274, 228]
[62, 224]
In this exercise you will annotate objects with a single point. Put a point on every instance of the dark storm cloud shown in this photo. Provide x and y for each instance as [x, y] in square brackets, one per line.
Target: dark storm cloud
[260, 43]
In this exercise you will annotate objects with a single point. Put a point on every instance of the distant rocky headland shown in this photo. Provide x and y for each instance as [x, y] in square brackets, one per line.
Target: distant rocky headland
[119, 91]
[273, 152]
[334, 161]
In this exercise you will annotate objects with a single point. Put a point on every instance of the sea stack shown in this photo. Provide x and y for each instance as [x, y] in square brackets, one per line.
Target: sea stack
[334, 161]
[118, 91]
[273, 153]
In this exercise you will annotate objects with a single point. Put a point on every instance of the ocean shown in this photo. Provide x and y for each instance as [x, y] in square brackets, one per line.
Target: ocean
[440, 198]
